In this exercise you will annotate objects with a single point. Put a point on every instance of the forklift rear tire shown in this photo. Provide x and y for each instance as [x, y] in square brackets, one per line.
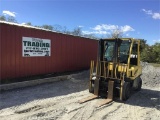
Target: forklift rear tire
[126, 91]
[137, 84]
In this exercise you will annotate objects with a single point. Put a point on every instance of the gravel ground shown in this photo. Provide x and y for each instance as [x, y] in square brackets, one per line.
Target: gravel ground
[59, 101]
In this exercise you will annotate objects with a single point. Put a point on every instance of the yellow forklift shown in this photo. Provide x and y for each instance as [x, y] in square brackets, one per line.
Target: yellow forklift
[118, 70]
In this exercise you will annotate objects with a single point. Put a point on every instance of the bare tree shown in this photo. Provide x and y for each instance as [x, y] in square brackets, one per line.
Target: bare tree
[65, 30]
[117, 33]
[57, 28]
[92, 36]
[77, 31]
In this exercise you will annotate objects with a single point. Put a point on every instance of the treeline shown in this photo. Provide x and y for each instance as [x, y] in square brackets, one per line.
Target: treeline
[150, 53]
[77, 31]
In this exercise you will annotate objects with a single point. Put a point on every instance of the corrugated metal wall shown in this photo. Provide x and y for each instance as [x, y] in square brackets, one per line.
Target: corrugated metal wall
[68, 53]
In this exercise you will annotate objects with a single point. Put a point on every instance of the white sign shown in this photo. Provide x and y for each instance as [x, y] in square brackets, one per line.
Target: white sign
[35, 47]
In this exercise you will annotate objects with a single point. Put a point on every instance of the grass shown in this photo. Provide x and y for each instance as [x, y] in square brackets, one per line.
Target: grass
[155, 64]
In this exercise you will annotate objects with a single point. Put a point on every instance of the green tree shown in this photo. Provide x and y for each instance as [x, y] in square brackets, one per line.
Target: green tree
[11, 19]
[156, 52]
[28, 23]
[143, 44]
[49, 27]
[37, 26]
[151, 53]
[2, 18]
[144, 50]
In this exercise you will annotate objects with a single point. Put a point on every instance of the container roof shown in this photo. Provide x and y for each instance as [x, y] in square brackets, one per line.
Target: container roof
[32, 27]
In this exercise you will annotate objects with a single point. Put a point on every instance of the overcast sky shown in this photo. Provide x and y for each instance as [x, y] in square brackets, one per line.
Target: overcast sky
[136, 18]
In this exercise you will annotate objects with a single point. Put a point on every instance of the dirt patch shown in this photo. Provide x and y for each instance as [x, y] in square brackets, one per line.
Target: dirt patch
[59, 101]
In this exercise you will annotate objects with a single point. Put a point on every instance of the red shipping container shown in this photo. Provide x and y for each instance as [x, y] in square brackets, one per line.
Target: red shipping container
[67, 52]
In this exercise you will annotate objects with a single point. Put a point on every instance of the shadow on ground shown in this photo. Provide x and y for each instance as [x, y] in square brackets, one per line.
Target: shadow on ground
[145, 98]
[24, 95]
